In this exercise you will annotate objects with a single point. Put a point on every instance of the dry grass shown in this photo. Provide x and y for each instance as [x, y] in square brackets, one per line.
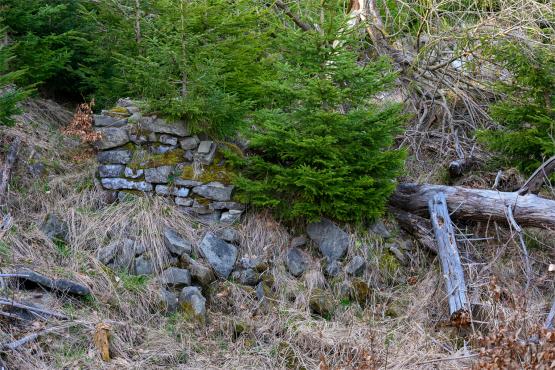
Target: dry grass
[401, 326]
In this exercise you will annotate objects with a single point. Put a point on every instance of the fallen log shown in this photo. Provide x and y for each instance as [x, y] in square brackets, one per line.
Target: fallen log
[450, 260]
[419, 227]
[477, 204]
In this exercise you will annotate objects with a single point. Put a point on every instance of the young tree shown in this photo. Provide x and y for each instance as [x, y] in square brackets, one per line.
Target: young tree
[325, 149]
[526, 114]
[10, 94]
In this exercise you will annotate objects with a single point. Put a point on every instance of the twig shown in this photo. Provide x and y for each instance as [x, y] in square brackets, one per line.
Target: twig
[447, 359]
[518, 230]
[31, 337]
[10, 302]
[497, 180]
[535, 182]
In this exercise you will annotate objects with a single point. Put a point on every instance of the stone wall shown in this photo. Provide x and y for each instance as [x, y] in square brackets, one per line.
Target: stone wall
[149, 155]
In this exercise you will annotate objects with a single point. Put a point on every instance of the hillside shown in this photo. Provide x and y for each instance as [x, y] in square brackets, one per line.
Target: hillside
[300, 185]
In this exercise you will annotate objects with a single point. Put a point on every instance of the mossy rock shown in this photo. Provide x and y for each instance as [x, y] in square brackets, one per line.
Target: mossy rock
[322, 303]
[119, 112]
[210, 173]
[170, 158]
[189, 314]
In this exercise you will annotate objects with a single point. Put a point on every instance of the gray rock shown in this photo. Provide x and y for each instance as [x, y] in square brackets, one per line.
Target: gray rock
[119, 156]
[119, 183]
[356, 266]
[214, 191]
[54, 228]
[379, 229]
[298, 241]
[246, 277]
[333, 268]
[107, 254]
[37, 169]
[332, 241]
[125, 103]
[189, 143]
[161, 149]
[112, 137]
[192, 301]
[176, 277]
[297, 261]
[189, 155]
[199, 271]
[107, 121]
[158, 175]
[167, 190]
[210, 218]
[124, 196]
[136, 138]
[177, 128]
[219, 254]
[227, 205]
[394, 248]
[208, 158]
[229, 234]
[111, 170]
[231, 216]
[187, 183]
[257, 264]
[133, 174]
[138, 248]
[126, 253]
[135, 117]
[143, 266]
[60, 285]
[168, 300]
[175, 243]
[205, 147]
[184, 202]
[168, 140]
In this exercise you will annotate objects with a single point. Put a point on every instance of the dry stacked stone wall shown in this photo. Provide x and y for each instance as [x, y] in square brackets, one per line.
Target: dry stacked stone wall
[147, 154]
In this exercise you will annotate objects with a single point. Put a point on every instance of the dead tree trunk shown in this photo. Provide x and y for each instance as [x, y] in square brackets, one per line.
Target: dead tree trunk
[450, 261]
[419, 227]
[6, 170]
[478, 204]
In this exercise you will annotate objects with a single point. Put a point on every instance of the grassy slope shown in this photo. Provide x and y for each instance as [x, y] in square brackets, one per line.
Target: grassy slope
[400, 327]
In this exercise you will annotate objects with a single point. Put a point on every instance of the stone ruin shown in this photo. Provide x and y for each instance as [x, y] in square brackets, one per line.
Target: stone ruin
[146, 154]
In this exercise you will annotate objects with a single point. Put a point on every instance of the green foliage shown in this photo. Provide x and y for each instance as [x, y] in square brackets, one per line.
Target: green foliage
[200, 60]
[10, 95]
[323, 151]
[526, 114]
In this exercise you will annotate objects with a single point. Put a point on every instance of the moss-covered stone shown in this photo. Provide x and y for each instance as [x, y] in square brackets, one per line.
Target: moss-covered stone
[321, 303]
[360, 290]
[118, 112]
[212, 172]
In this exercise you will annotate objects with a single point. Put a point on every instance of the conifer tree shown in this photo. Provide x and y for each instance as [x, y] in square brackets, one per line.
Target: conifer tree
[325, 149]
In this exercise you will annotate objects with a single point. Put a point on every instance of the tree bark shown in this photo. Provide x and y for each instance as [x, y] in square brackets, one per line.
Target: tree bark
[478, 204]
[450, 260]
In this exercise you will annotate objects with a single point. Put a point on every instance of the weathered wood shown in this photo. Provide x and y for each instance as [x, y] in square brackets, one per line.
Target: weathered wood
[535, 182]
[450, 260]
[549, 321]
[419, 227]
[459, 166]
[5, 171]
[477, 204]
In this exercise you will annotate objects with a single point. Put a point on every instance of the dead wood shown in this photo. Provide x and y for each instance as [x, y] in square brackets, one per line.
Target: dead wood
[535, 182]
[478, 204]
[419, 227]
[450, 260]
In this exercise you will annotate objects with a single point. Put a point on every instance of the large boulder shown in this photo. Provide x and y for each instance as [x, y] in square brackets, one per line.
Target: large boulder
[192, 302]
[214, 191]
[158, 125]
[117, 156]
[54, 227]
[112, 137]
[297, 261]
[175, 243]
[120, 183]
[158, 175]
[219, 254]
[332, 241]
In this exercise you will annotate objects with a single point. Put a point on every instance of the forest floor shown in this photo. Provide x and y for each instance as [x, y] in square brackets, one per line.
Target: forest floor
[402, 325]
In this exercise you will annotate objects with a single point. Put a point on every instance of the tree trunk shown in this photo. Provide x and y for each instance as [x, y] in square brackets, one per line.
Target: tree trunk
[478, 204]
[450, 260]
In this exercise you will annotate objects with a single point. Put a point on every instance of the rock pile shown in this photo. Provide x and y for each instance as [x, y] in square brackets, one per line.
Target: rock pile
[152, 155]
